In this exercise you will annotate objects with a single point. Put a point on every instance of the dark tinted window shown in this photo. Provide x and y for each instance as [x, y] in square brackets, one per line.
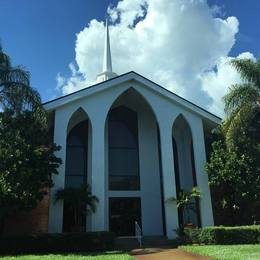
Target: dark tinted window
[123, 213]
[76, 173]
[123, 149]
[76, 155]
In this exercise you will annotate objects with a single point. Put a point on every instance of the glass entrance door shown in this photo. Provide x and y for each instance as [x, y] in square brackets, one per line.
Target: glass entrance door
[123, 212]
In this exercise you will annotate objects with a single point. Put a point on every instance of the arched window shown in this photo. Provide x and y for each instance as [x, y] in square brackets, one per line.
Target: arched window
[123, 149]
[75, 173]
[184, 166]
[76, 155]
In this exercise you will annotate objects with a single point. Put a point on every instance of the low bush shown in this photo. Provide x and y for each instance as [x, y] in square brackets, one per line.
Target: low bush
[222, 235]
[63, 242]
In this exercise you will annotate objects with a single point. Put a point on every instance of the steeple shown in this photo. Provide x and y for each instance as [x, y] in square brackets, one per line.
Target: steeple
[107, 62]
[107, 72]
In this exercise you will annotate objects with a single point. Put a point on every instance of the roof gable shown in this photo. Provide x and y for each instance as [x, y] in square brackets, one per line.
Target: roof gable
[130, 76]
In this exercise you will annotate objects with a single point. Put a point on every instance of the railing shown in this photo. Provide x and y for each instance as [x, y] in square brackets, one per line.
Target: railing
[138, 233]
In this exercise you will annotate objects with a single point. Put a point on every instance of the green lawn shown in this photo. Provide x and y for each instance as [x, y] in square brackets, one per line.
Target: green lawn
[232, 252]
[100, 256]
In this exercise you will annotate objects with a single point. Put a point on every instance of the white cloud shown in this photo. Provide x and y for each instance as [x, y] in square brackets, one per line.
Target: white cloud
[217, 82]
[177, 44]
[60, 80]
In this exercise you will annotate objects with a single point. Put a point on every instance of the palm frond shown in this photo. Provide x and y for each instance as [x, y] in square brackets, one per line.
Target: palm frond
[16, 93]
[248, 69]
[78, 196]
[186, 198]
[15, 75]
[238, 123]
[5, 61]
[239, 95]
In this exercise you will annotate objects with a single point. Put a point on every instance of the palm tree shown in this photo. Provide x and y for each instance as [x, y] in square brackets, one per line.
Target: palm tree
[242, 103]
[16, 94]
[186, 201]
[80, 200]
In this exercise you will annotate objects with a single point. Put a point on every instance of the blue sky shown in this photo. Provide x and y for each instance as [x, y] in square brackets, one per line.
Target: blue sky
[247, 13]
[41, 34]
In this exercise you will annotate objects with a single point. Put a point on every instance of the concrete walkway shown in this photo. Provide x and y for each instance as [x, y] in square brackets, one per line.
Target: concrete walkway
[165, 254]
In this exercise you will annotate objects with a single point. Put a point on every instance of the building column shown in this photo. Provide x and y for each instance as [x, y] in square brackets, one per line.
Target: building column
[56, 208]
[202, 178]
[168, 174]
[98, 179]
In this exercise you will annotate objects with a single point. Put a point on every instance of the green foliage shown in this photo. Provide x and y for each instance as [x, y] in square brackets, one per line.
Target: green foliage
[16, 94]
[27, 162]
[248, 69]
[242, 101]
[62, 242]
[26, 150]
[80, 200]
[189, 235]
[185, 199]
[222, 235]
[234, 178]
[185, 202]
[234, 166]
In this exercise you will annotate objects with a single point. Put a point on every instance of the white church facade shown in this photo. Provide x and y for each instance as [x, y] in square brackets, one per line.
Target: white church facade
[136, 144]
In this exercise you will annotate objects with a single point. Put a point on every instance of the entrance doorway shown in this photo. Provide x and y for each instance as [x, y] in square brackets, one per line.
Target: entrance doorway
[123, 212]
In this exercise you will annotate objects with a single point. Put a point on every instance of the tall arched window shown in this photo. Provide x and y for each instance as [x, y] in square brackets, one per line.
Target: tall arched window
[76, 155]
[185, 169]
[76, 170]
[123, 149]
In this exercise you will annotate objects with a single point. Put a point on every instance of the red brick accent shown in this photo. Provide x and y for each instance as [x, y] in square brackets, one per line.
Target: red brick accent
[35, 221]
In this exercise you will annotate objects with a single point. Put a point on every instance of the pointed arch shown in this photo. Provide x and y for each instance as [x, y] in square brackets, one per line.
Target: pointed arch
[76, 166]
[133, 159]
[76, 117]
[185, 175]
[130, 91]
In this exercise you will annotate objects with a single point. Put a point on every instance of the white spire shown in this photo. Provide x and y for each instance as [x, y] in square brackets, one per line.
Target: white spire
[107, 72]
[107, 61]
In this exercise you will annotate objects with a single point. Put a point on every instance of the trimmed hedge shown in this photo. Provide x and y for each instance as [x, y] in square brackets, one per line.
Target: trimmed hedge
[60, 242]
[222, 235]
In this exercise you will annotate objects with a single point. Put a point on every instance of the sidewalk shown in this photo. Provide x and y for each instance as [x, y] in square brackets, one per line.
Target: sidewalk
[165, 254]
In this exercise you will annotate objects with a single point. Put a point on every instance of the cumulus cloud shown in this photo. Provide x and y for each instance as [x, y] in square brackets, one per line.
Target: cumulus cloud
[182, 45]
[217, 82]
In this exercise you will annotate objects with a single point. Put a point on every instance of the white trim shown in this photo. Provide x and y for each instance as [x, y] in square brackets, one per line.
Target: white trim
[129, 77]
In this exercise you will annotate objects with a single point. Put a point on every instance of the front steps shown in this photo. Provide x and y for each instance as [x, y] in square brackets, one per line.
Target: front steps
[128, 243]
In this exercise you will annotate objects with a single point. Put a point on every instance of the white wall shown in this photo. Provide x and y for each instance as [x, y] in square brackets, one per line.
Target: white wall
[165, 110]
[152, 221]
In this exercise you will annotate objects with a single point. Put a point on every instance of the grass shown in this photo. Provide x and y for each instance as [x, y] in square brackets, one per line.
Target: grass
[97, 256]
[232, 252]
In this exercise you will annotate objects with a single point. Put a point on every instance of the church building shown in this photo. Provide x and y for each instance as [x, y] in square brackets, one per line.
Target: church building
[137, 145]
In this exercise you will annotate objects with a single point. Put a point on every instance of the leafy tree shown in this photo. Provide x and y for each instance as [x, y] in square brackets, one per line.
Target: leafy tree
[234, 165]
[26, 149]
[234, 178]
[79, 200]
[27, 162]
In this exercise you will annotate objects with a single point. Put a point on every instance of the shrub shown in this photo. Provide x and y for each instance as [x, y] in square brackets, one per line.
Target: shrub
[62, 242]
[223, 235]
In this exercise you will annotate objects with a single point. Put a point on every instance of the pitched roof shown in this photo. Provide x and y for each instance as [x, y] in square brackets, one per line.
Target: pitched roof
[53, 104]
